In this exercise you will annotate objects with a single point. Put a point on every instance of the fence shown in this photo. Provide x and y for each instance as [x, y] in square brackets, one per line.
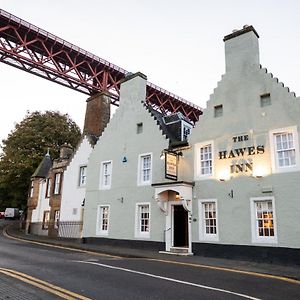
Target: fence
[66, 229]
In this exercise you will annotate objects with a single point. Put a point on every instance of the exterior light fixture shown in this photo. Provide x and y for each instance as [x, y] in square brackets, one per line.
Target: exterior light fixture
[162, 155]
[124, 159]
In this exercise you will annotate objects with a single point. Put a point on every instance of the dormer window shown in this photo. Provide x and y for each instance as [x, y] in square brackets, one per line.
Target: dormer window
[185, 130]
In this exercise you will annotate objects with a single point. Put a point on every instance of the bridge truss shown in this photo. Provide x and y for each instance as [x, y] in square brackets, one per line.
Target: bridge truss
[34, 50]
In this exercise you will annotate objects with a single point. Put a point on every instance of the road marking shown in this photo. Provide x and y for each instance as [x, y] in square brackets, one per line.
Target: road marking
[251, 273]
[170, 279]
[50, 288]
[6, 234]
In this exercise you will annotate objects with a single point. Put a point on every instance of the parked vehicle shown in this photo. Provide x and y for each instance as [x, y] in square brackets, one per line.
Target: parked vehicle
[11, 213]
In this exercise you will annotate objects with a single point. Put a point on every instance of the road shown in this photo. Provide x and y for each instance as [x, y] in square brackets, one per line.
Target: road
[78, 275]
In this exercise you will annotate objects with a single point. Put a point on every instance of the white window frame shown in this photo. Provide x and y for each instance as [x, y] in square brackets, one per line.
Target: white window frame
[82, 175]
[99, 230]
[254, 232]
[197, 161]
[273, 149]
[102, 175]
[203, 236]
[56, 218]
[57, 183]
[48, 188]
[31, 188]
[138, 232]
[46, 219]
[140, 180]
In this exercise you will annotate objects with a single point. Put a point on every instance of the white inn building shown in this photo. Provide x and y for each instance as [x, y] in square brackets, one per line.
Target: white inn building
[227, 186]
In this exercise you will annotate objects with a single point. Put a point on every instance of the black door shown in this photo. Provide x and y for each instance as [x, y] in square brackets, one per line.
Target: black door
[180, 226]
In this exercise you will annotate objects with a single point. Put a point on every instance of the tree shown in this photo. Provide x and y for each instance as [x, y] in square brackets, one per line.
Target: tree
[26, 146]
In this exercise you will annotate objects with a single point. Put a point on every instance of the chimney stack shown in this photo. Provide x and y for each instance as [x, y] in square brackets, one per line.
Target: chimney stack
[66, 150]
[241, 49]
[97, 114]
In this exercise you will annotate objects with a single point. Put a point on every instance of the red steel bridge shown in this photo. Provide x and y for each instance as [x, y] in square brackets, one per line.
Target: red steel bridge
[34, 50]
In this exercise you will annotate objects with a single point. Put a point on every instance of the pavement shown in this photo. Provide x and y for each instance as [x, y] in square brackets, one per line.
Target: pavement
[232, 265]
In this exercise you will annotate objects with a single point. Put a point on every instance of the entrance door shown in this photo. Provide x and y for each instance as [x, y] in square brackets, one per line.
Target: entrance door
[180, 229]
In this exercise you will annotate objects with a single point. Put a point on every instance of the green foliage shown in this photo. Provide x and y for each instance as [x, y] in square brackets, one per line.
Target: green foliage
[24, 149]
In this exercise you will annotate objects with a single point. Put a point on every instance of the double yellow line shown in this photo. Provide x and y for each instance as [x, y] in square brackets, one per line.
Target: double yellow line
[48, 287]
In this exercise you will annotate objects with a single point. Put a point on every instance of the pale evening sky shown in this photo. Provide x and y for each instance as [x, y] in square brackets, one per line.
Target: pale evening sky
[177, 44]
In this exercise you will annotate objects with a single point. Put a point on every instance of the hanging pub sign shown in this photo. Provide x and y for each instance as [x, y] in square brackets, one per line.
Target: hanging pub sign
[171, 165]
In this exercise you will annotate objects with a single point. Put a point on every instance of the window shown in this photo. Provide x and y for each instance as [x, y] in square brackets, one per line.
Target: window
[106, 173]
[145, 169]
[208, 223]
[284, 149]
[31, 189]
[263, 220]
[102, 220]
[57, 183]
[82, 176]
[186, 130]
[142, 224]
[56, 219]
[139, 128]
[48, 188]
[204, 160]
[265, 100]
[218, 111]
[46, 218]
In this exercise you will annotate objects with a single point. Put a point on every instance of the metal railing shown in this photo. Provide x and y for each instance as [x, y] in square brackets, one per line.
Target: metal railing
[65, 229]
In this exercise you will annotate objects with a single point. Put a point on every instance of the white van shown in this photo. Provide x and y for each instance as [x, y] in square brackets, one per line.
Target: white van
[11, 213]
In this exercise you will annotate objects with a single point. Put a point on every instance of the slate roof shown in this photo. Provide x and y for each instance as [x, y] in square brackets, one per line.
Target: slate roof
[43, 169]
[174, 139]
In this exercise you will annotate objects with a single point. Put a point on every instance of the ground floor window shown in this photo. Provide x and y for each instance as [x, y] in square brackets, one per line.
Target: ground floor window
[142, 224]
[208, 222]
[103, 220]
[46, 219]
[56, 219]
[263, 220]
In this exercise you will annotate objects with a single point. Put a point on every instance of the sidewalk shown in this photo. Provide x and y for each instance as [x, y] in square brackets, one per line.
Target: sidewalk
[289, 271]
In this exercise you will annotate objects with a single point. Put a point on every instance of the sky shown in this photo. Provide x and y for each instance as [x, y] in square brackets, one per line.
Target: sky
[177, 44]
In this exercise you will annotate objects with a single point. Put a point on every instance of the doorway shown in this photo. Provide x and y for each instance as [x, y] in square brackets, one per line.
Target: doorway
[180, 226]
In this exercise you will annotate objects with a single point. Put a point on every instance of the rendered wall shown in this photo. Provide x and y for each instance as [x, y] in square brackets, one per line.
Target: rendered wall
[119, 140]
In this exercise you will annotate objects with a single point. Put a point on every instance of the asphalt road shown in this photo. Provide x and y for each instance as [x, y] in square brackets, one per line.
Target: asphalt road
[106, 277]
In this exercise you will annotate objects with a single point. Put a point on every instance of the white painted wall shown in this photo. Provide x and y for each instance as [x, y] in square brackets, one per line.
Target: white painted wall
[43, 203]
[73, 194]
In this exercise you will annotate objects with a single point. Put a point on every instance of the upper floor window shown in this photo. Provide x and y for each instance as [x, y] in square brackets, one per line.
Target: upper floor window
[218, 111]
[106, 173]
[139, 128]
[265, 100]
[48, 188]
[284, 149]
[57, 183]
[208, 220]
[145, 169]
[263, 220]
[142, 220]
[31, 189]
[204, 160]
[82, 176]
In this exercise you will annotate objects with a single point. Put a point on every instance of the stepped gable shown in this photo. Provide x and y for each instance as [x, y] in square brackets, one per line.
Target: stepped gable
[43, 169]
[276, 80]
